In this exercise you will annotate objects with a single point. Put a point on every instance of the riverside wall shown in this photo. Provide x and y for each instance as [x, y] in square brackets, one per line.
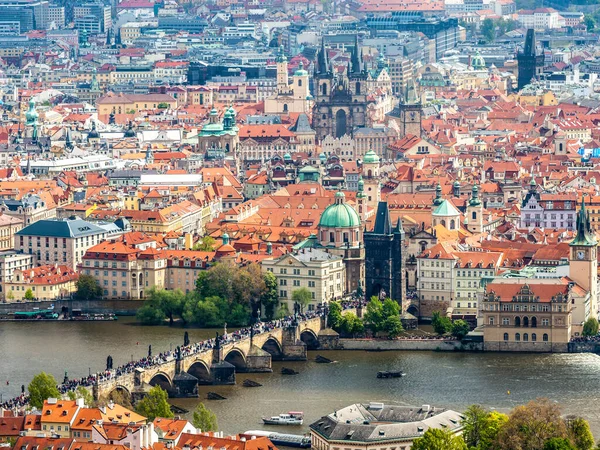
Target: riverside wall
[118, 307]
[407, 344]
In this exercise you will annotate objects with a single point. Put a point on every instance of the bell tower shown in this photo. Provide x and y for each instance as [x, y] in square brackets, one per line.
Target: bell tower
[583, 259]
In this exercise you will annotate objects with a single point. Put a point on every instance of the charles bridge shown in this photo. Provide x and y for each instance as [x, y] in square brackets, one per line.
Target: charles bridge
[180, 373]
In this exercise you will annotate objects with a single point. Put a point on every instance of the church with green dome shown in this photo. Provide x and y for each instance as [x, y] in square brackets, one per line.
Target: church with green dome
[219, 134]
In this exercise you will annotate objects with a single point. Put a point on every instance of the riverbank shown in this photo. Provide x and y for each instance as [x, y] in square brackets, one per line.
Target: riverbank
[380, 345]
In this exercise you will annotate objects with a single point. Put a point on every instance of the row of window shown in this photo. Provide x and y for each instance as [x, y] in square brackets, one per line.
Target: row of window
[526, 337]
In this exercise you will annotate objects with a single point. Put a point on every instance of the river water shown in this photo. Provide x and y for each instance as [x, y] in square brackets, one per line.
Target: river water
[452, 380]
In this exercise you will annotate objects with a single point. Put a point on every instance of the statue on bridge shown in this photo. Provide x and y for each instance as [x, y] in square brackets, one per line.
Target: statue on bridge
[66, 378]
[109, 363]
[150, 351]
[186, 339]
[178, 353]
[217, 342]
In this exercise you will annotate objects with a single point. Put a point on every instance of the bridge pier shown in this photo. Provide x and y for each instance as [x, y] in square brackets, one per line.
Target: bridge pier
[258, 360]
[293, 348]
[329, 339]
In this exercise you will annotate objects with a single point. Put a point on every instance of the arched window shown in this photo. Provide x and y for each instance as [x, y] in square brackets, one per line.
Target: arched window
[517, 337]
[443, 222]
[370, 173]
[525, 337]
[331, 237]
[545, 337]
[285, 107]
[345, 237]
[357, 88]
[525, 321]
[452, 224]
[506, 336]
[517, 321]
[299, 82]
[474, 215]
[533, 337]
[324, 88]
[534, 322]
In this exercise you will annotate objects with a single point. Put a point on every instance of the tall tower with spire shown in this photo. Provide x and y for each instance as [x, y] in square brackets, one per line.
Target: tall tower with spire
[408, 115]
[475, 212]
[384, 259]
[583, 264]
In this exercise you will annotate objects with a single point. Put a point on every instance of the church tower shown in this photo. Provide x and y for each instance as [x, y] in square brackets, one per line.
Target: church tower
[384, 266]
[408, 114]
[583, 263]
[282, 72]
[370, 175]
[475, 212]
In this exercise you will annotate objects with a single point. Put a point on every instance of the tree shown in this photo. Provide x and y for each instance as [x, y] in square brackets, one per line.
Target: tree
[334, 316]
[374, 314]
[590, 327]
[302, 296]
[151, 313]
[270, 297]
[155, 404]
[590, 23]
[488, 30]
[88, 288]
[42, 387]
[29, 294]
[206, 244]
[10, 295]
[438, 439]
[460, 328]
[559, 444]
[83, 393]
[530, 426]
[204, 418]
[481, 427]
[351, 324]
[580, 433]
[162, 105]
[441, 324]
[392, 326]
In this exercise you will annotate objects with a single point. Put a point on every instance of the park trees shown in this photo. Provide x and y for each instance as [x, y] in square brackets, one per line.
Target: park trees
[481, 427]
[590, 327]
[88, 288]
[155, 404]
[269, 298]
[437, 439]
[41, 388]
[441, 324]
[302, 297]
[383, 316]
[29, 294]
[206, 244]
[204, 418]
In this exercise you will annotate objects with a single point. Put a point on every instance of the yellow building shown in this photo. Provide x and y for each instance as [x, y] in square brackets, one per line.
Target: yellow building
[124, 103]
[58, 415]
[47, 282]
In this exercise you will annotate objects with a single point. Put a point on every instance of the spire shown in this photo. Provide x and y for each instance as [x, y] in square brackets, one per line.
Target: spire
[585, 236]
[149, 155]
[323, 60]
[68, 141]
[281, 58]
[355, 57]
[399, 228]
[438, 195]
[383, 222]
[411, 92]
[94, 85]
[475, 196]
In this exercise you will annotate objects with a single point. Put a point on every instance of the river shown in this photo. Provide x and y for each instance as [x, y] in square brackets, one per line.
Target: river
[453, 380]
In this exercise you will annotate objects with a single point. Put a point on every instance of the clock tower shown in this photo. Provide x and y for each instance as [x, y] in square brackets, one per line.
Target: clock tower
[408, 113]
[583, 260]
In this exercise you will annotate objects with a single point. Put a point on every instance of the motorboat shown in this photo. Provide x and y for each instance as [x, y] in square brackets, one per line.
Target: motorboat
[291, 418]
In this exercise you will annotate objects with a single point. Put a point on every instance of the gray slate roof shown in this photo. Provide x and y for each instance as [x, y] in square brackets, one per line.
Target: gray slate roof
[68, 228]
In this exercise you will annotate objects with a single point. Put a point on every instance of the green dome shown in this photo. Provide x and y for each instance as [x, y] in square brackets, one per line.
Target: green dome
[478, 62]
[339, 215]
[371, 158]
[308, 169]
[287, 156]
[300, 72]
[322, 156]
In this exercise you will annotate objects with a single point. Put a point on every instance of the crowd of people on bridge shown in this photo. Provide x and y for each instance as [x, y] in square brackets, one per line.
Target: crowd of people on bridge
[152, 360]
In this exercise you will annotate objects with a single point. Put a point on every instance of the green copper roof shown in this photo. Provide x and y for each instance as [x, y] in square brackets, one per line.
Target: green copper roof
[446, 209]
[371, 157]
[340, 214]
[475, 201]
[585, 236]
[308, 169]
[310, 242]
[300, 72]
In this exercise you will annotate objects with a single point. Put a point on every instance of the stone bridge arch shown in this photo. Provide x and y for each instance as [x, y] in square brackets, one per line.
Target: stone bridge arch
[273, 347]
[237, 358]
[117, 392]
[310, 338]
[163, 380]
[413, 309]
[201, 371]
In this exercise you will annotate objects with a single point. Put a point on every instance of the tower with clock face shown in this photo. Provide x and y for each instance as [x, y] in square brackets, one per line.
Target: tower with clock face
[583, 260]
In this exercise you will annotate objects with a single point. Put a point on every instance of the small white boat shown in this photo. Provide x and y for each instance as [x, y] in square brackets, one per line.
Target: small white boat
[291, 418]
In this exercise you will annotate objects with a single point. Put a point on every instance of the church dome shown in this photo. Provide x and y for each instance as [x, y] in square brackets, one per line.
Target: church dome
[371, 158]
[287, 157]
[340, 214]
[478, 62]
[300, 72]
[308, 169]
[93, 134]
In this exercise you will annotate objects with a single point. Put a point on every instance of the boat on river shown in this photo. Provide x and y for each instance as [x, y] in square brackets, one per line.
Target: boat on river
[390, 374]
[291, 418]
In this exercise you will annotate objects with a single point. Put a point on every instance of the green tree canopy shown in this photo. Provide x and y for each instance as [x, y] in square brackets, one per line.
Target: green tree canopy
[155, 404]
[270, 297]
[41, 388]
[481, 427]
[559, 444]
[460, 328]
[302, 296]
[580, 433]
[29, 294]
[488, 30]
[82, 392]
[590, 327]
[530, 426]
[351, 324]
[441, 324]
[204, 418]
[206, 244]
[374, 314]
[88, 288]
[334, 317]
[438, 439]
